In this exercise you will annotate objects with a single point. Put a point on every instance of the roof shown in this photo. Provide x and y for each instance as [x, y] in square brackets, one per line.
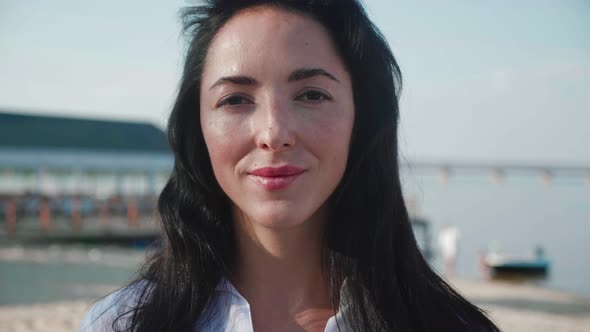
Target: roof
[26, 131]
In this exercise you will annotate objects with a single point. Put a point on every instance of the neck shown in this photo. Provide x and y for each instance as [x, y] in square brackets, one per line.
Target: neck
[285, 262]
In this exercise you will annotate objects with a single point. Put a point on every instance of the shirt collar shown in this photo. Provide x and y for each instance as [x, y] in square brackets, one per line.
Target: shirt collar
[225, 286]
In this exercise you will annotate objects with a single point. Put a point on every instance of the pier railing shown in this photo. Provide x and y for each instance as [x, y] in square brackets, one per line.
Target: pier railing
[67, 218]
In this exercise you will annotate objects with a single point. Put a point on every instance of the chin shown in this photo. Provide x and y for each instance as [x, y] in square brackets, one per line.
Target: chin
[275, 215]
[281, 219]
[279, 214]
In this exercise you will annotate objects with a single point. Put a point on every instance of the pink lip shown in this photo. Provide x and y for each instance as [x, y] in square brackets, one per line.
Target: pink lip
[276, 178]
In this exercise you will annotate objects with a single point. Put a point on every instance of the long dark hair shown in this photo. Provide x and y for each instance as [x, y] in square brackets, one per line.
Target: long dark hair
[368, 238]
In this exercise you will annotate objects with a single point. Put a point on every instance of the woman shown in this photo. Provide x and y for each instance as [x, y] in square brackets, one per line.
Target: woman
[284, 211]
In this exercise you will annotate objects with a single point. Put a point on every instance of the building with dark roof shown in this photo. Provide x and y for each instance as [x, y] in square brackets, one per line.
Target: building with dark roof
[51, 154]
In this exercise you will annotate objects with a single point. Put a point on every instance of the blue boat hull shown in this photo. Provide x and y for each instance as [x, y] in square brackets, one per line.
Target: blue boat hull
[534, 268]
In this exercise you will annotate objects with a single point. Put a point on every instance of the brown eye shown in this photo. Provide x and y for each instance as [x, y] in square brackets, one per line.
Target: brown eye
[234, 100]
[313, 96]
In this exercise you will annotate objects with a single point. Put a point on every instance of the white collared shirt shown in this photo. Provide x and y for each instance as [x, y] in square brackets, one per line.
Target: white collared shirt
[229, 312]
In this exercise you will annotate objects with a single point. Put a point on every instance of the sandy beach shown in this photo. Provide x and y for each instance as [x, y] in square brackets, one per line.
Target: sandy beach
[514, 307]
[521, 307]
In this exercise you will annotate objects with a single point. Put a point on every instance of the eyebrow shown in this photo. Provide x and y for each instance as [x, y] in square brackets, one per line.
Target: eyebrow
[296, 75]
[305, 73]
[238, 79]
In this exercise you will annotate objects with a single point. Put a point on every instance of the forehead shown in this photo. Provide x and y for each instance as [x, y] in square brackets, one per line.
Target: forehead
[272, 41]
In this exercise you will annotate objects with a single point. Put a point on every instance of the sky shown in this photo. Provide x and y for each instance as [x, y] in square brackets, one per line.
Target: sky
[483, 80]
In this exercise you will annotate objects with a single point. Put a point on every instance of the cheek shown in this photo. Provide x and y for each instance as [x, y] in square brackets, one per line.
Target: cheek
[333, 137]
[221, 138]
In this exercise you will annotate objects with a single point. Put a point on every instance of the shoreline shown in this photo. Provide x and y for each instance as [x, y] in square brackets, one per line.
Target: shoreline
[525, 307]
[513, 307]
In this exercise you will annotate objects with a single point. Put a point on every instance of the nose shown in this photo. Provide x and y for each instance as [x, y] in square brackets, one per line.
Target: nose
[275, 129]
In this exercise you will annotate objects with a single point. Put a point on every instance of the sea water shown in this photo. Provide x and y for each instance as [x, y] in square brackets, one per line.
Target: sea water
[512, 216]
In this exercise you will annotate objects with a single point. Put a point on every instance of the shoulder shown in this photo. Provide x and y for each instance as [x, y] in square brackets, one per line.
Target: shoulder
[113, 311]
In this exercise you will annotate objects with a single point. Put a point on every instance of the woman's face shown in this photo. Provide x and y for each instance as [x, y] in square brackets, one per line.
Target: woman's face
[277, 114]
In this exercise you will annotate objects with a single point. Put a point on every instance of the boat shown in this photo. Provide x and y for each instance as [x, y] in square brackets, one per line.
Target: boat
[500, 266]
